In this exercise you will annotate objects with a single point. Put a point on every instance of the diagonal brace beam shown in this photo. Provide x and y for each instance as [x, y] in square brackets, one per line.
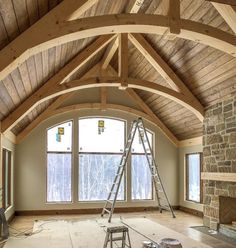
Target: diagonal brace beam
[58, 78]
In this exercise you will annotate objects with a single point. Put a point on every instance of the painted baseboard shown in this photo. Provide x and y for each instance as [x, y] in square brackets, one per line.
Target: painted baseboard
[191, 211]
[99, 210]
[10, 219]
[85, 211]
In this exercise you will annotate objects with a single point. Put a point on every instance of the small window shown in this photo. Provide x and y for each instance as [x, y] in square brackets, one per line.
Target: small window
[59, 165]
[6, 178]
[101, 143]
[193, 177]
[140, 171]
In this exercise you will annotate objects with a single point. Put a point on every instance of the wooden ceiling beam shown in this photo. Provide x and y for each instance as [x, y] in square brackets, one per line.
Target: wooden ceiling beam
[228, 2]
[103, 94]
[228, 14]
[47, 112]
[97, 106]
[141, 84]
[58, 78]
[73, 9]
[109, 53]
[163, 68]
[38, 38]
[94, 71]
[139, 101]
[30, 41]
[133, 7]
[135, 97]
[174, 16]
[157, 62]
[82, 106]
[123, 66]
[103, 90]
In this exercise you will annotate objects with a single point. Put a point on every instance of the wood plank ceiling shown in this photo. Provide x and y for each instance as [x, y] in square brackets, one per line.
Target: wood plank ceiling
[209, 73]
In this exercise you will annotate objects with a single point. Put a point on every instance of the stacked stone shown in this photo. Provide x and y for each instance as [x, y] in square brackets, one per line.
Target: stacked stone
[219, 155]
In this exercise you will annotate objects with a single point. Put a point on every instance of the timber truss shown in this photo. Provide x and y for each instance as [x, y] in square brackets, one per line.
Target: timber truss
[63, 24]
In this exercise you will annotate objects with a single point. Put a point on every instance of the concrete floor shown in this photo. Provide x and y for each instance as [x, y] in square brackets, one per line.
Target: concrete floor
[181, 224]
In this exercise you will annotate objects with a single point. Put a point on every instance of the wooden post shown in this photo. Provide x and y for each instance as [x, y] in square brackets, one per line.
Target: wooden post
[123, 60]
[174, 16]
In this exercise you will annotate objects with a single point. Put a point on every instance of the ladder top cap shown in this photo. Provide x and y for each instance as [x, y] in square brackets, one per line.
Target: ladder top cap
[115, 229]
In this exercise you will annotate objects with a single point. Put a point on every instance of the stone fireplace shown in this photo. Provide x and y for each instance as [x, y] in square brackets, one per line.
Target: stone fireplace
[219, 163]
[227, 210]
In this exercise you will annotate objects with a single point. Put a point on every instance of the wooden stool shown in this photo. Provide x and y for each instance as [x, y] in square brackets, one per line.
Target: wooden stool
[110, 236]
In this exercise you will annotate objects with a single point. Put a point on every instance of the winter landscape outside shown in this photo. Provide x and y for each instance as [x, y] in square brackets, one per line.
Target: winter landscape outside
[194, 177]
[59, 157]
[100, 151]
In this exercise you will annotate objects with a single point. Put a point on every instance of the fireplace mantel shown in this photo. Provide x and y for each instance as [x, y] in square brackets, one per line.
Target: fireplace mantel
[219, 176]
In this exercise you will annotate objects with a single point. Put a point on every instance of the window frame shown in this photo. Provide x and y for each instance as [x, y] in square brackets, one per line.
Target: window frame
[5, 204]
[61, 152]
[187, 177]
[99, 153]
[143, 153]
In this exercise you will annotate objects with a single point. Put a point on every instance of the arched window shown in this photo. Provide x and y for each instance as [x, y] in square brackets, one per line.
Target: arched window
[59, 157]
[101, 143]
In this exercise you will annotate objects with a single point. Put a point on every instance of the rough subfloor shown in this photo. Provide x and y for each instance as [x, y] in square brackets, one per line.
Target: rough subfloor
[181, 224]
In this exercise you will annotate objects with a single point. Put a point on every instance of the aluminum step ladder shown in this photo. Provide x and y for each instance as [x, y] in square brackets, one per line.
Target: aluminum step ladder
[111, 236]
[161, 196]
[112, 196]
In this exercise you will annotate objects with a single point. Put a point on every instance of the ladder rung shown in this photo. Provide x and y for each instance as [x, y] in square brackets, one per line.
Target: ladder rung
[165, 207]
[106, 210]
[117, 239]
[163, 202]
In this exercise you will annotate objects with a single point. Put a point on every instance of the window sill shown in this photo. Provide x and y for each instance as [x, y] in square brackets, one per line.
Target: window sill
[193, 202]
[143, 200]
[59, 203]
[100, 201]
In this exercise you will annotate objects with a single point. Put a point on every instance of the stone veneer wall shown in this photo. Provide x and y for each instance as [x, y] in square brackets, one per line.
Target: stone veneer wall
[219, 155]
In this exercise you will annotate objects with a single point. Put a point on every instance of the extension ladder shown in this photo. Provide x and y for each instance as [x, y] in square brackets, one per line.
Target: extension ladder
[161, 196]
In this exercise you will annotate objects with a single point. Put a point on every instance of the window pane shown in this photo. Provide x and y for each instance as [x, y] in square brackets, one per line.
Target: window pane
[194, 177]
[96, 175]
[6, 166]
[93, 139]
[6, 179]
[58, 177]
[59, 138]
[141, 178]
[137, 146]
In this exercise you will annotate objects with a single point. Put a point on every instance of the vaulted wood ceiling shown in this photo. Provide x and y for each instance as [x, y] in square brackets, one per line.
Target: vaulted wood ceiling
[209, 73]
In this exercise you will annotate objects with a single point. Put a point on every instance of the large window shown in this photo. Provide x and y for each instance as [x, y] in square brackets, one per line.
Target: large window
[101, 143]
[59, 157]
[6, 178]
[140, 171]
[193, 177]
